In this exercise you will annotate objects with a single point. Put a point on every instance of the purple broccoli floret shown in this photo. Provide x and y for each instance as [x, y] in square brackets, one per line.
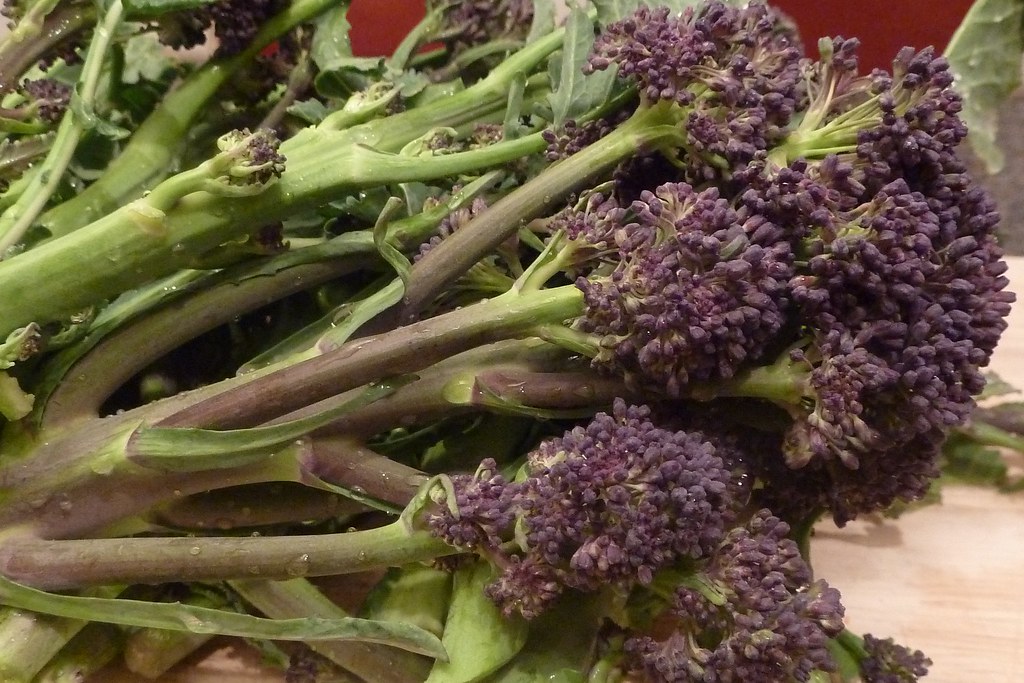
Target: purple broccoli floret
[888, 662]
[699, 289]
[757, 615]
[475, 22]
[50, 97]
[234, 22]
[611, 502]
[735, 71]
[899, 286]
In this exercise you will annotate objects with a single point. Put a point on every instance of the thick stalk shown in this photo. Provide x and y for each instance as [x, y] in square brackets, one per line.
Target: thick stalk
[87, 494]
[76, 494]
[130, 247]
[150, 153]
[449, 260]
[368, 359]
[61, 565]
[121, 355]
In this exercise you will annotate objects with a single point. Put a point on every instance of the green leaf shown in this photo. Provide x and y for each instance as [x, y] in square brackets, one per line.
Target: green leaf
[388, 251]
[311, 111]
[966, 460]
[543, 19]
[21, 344]
[573, 623]
[193, 619]
[478, 638]
[137, 8]
[414, 594]
[567, 100]
[510, 126]
[14, 403]
[361, 312]
[91, 121]
[985, 54]
[996, 386]
[184, 449]
[145, 59]
[340, 72]
[609, 11]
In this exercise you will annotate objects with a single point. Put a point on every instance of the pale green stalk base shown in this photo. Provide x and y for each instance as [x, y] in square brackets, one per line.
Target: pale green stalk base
[29, 640]
[300, 598]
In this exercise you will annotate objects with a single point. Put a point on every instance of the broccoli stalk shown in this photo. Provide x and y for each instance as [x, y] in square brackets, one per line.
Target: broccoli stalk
[136, 243]
[151, 151]
[16, 219]
[43, 26]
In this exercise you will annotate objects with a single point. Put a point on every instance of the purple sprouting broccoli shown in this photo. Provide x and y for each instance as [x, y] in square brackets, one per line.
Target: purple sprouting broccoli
[574, 136]
[698, 290]
[751, 613]
[734, 72]
[482, 511]
[49, 97]
[234, 23]
[249, 158]
[453, 222]
[888, 662]
[899, 286]
[904, 297]
[466, 24]
[609, 503]
[844, 268]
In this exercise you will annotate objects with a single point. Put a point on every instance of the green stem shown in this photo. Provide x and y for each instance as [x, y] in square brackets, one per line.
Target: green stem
[60, 565]
[19, 217]
[367, 359]
[298, 82]
[119, 356]
[19, 51]
[459, 62]
[84, 483]
[784, 383]
[67, 497]
[991, 435]
[460, 251]
[153, 147]
[92, 648]
[135, 244]
[421, 32]
[482, 99]
[22, 153]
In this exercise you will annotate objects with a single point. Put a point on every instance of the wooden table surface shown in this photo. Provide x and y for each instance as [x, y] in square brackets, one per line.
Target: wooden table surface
[947, 579]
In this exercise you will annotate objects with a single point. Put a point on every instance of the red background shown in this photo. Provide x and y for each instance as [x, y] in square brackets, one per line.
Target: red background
[883, 26]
